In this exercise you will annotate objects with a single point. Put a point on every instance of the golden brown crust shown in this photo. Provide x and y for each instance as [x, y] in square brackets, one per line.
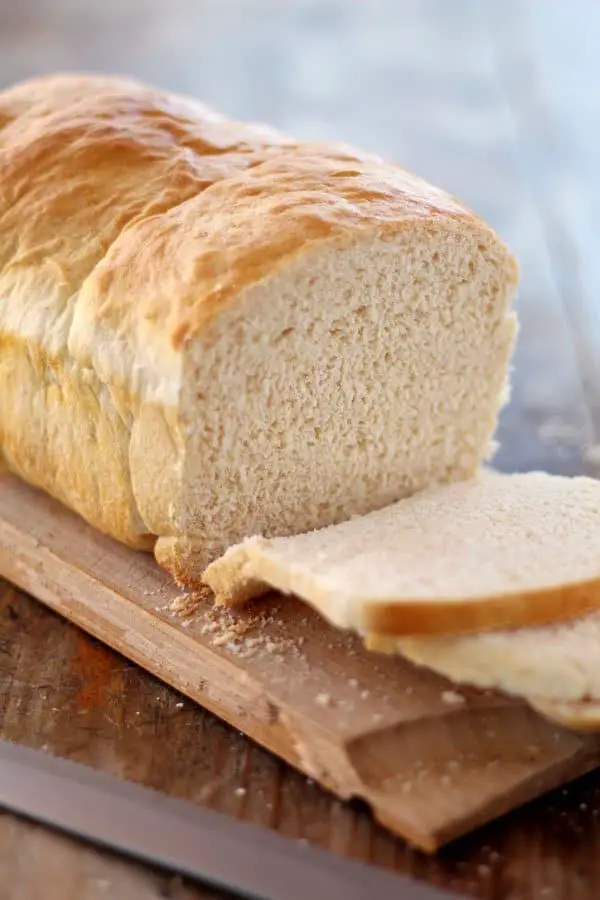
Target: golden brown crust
[159, 210]
[81, 159]
[469, 616]
[88, 156]
[242, 227]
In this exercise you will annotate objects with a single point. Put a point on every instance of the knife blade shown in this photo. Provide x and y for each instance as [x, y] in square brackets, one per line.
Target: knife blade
[181, 837]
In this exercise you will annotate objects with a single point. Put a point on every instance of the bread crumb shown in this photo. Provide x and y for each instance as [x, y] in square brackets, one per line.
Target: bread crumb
[364, 695]
[353, 682]
[240, 792]
[452, 698]
[185, 605]
[243, 634]
[323, 700]
[179, 706]
[221, 640]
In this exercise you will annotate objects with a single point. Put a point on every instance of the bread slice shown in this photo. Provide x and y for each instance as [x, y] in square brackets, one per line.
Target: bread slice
[209, 330]
[556, 668]
[578, 716]
[497, 550]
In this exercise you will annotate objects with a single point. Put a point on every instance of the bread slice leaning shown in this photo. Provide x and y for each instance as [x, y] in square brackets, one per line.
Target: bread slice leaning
[555, 668]
[495, 551]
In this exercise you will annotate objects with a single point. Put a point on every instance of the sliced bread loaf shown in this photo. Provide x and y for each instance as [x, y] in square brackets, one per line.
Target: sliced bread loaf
[210, 330]
[494, 551]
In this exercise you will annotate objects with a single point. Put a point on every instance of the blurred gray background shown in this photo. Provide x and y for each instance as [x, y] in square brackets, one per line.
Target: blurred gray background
[495, 101]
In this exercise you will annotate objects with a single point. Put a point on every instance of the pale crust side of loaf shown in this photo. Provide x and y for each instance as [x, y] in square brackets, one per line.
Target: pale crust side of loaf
[129, 219]
[66, 436]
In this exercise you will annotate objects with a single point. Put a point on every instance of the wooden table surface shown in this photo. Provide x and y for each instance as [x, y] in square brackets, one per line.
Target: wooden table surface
[498, 103]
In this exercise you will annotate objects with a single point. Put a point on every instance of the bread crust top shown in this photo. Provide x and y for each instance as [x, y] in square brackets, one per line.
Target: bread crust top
[129, 216]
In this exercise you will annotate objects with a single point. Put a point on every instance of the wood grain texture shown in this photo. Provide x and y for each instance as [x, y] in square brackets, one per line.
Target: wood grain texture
[68, 694]
[498, 103]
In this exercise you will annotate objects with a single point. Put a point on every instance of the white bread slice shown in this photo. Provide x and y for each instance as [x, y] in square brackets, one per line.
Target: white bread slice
[209, 330]
[495, 551]
[556, 668]
[554, 663]
[583, 716]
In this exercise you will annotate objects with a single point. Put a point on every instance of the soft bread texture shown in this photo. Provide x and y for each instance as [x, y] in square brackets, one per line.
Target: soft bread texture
[497, 550]
[208, 330]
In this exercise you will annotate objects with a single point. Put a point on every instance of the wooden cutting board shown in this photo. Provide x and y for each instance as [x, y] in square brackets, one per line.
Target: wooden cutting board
[431, 761]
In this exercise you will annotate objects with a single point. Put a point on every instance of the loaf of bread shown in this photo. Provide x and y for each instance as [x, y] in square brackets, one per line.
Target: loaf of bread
[493, 551]
[209, 330]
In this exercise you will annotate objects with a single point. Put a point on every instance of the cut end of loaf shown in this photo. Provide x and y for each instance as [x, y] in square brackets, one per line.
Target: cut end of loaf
[350, 379]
